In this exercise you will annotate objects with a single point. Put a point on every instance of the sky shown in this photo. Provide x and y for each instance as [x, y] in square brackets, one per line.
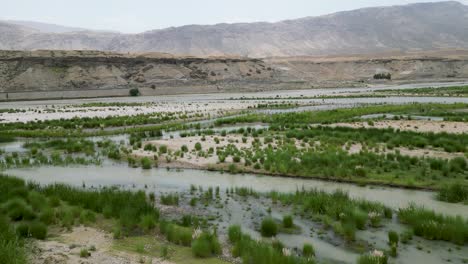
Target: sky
[134, 16]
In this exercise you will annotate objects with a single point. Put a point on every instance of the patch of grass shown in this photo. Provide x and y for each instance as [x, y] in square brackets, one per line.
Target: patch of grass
[170, 199]
[453, 193]
[155, 247]
[433, 226]
[373, 258]
[393, 238]
[146, 163]
[84, 253]
[308, 251]
[269, 228]
[288, 221]
[259, 252]
[336, 209]
[206, 245]
[176, 234]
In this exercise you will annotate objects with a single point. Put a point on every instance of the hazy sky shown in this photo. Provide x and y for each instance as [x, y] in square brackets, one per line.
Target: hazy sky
[133, 16]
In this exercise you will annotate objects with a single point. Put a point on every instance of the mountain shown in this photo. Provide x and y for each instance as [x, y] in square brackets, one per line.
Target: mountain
[44, 27]
[414, 27]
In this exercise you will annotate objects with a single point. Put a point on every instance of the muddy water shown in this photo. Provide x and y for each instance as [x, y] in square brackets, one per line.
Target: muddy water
[163, 180]
[175, 180]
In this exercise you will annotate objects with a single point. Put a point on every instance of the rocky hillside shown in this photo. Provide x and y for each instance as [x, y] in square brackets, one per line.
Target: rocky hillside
[71, 74]
[94, 73]
[415, 27]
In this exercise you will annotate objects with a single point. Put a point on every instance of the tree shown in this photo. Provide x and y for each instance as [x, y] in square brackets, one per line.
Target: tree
[134, 92]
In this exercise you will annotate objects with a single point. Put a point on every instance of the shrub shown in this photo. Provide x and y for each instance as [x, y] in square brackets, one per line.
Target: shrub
[134, 92]
[148, 222]
[87, 216]
[11, 248]
[198, 146]
[234, 233]
[164, 251]
[308, 250]
[54, 201]
[36, 200]
[176, 234]
[206, 245]
[47, 216]
[393, 238]
[17, 209]
[453, 193]
[288, 221]
[269, 228]
[251, 251]
[380, 76]
[163, 149]
[184, 148]
[38, 230]
[433, 226]
[193, 202]
[146, 163]
[107, 211]
[373, 257]
[117, 232]
[84, 253]
[22, 229]
[170, 199]
[406, 236]
[393, 250]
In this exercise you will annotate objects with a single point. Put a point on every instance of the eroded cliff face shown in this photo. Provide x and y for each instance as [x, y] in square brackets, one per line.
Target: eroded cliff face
[71, 74]
[80, 70]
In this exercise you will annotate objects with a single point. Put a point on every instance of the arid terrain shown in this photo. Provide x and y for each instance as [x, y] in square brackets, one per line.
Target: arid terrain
[78, 74]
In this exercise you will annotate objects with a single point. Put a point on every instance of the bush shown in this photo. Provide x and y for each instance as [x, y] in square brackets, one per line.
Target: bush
[117, 232]
[22, 229]
[234, 233]
[198, 146]
[433, 226]
[206, 245]
[251, 251]
[288, 221]
[146, 163]
[373, 258]
[176, 234]
[38, 230]
[134, 92]
[17, 209]
[380, 76]
[87, 216]
[47, 216]
[453, 193]
[148, 222]
[308, 250]
[163, 149]
[269, 228]
[11, 248]
[406, 236]
[170, 199]
[393, 238]
[84, 253]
